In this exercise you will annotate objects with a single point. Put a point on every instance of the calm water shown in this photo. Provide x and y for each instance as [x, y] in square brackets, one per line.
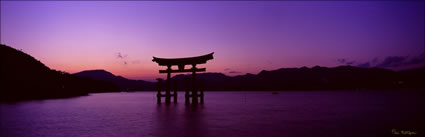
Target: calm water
[223, 114]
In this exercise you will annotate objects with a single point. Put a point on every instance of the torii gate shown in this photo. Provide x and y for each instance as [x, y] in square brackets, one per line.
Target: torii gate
[181, 62]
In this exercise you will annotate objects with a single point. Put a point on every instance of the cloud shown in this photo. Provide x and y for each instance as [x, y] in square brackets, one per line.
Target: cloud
[234, 72]
[269, 62]
[402, 61]
[346, 62]
[341, 61]
[420, 59]
[364, 65]
[350, 63]
[230, 71]
[121, 56]
[375, 60]
[391, 62]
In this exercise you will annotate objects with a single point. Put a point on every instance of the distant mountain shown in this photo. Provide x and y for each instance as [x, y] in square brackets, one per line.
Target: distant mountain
[99, 74]
[22, 77]
[316, 78]
[412, 78]
[123, 83]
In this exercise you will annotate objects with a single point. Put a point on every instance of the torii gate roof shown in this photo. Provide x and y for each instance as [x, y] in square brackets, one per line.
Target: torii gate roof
[183, 61]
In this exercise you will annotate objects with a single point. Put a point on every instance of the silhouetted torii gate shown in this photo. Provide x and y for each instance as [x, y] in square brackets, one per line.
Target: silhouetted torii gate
[181, 62]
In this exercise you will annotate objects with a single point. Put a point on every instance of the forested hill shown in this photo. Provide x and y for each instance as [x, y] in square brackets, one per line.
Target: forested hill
[22, 77]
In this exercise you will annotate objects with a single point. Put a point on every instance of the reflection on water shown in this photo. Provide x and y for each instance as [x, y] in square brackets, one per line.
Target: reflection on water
[180, 120]
[194, 123]
[223, 114]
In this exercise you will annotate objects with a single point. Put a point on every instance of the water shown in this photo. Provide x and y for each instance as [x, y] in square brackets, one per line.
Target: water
[224, 114]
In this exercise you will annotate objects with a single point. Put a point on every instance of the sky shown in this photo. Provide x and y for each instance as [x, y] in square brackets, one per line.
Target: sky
[245, 36]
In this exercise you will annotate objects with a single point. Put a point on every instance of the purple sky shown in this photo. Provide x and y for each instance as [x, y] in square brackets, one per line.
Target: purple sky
[247, 37]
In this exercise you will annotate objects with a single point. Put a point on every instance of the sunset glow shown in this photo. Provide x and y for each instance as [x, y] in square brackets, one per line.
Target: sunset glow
[247, 37]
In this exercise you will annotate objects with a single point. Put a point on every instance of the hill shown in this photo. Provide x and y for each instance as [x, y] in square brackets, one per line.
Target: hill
[316, 78]
[123, 83]
[25, 78]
